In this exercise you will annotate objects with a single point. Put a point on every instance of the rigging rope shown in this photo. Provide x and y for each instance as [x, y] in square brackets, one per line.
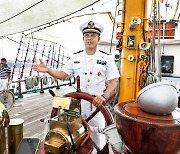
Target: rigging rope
[35, 51]
[25, 60]
[50, 48]
[151, 75]
[52, 55]
[43, 50]
[150, 78]
[21, 59]
[17, 56]
[32, 50]
[22, 12]
[58, 57]
[114, 22]
[45, 79]
[158, 64]
[54, 58]
[62, 60]
[42, 54]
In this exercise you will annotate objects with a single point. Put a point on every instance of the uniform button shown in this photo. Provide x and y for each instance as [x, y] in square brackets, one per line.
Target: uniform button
[99, 73]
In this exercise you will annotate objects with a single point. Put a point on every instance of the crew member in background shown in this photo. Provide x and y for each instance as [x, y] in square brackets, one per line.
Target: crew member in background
[95, 68]
[5, 73]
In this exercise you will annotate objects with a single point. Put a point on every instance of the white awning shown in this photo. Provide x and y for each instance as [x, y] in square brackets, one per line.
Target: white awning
[21, 15]
[69, 35]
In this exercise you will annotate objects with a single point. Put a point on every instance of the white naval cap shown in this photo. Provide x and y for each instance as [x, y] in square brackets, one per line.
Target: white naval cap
[91, 27]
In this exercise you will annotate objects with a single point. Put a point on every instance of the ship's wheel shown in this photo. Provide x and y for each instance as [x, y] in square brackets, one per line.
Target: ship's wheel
[102, 109]
[88, 146]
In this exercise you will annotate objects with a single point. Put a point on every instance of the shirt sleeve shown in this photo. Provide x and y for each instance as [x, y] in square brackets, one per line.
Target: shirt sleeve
[67, 68]
[9, 70]
[112, 70]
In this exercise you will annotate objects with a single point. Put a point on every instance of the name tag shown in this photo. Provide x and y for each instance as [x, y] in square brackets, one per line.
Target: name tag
[76, 62]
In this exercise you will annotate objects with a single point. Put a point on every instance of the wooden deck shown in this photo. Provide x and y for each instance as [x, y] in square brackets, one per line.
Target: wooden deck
[34, 107]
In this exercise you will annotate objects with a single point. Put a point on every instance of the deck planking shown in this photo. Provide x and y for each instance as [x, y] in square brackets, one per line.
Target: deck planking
[34, 107]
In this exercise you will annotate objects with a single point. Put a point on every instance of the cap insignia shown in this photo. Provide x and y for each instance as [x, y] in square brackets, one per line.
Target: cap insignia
[91, 24]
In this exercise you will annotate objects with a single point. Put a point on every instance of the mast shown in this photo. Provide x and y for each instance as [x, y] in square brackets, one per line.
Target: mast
[135, 46]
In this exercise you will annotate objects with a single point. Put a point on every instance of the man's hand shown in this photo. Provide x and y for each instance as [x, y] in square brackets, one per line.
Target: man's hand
[40, 67]
[98, 100]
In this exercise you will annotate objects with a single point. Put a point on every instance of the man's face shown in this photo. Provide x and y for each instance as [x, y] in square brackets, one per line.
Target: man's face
[91, 40]
[3, 62]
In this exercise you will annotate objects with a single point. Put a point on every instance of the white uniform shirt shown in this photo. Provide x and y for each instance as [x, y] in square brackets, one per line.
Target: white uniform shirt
[94, 70]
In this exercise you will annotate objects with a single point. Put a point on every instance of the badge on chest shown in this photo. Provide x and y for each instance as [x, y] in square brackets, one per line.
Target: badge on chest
[101, 62]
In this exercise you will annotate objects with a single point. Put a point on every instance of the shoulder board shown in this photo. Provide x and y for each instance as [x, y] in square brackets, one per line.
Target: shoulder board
[78, 52]
[104, 52]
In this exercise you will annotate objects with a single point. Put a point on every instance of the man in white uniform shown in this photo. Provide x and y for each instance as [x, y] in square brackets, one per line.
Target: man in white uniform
[95, 68]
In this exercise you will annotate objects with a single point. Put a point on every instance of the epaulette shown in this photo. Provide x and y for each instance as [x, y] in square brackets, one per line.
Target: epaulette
[104, 52]
[78, 52]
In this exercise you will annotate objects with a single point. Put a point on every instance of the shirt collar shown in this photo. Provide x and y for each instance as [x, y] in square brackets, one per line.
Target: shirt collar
[96, 53]
[4, 65]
